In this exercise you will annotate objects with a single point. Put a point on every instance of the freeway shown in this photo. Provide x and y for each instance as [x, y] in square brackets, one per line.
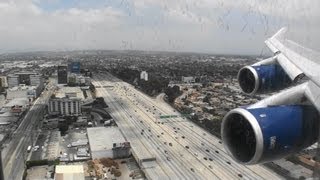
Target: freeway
[15, 153]
[181, 149]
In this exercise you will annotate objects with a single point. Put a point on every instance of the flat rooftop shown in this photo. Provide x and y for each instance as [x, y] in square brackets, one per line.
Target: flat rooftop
[102, 138]
[69, 172]
[22, 88]
[75, 92]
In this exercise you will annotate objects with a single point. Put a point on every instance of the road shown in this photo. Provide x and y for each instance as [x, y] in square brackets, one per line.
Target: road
[15, 153]
[181, 149]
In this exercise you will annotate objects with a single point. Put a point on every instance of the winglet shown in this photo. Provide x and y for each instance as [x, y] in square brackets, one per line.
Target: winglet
[279, 35]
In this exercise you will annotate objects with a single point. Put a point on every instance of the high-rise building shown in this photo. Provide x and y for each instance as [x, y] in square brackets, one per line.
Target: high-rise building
[62, 74]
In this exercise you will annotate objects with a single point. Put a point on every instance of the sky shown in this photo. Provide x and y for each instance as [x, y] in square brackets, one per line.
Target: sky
[205, 26]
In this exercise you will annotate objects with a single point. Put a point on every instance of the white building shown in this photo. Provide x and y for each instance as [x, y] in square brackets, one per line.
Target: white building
[144, 75]
[13, 80]
[66, 101]
[65, 106]
[188, 79]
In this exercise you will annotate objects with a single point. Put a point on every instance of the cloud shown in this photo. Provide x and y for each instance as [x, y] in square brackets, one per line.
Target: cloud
[222, 26]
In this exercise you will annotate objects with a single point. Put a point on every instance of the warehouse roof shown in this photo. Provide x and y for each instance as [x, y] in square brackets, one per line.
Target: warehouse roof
[102, 138]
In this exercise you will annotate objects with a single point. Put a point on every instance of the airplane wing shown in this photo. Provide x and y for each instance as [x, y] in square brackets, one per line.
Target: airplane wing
[285, 122]
[297, 60]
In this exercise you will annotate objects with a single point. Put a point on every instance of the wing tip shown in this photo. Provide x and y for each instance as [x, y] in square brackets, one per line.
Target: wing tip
[280, 33]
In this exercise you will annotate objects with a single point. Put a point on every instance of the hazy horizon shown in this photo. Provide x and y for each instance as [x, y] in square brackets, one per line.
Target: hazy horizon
[219, 27]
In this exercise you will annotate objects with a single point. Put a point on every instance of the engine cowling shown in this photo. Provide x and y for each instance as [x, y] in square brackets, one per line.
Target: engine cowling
[260, 135]
[263, 78]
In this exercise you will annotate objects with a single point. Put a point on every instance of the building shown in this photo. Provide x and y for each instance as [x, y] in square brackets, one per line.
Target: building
[36, 80]
[144, 75]
[17, 105]
[188, 80]
[121, 150]
[104, 141]
[66, 101]
[23, 91]
[10, 111]
[69, 172]
[13, 80]
[65, 106]
[27, 78]
[78, 79]
[3, 81]
[74, 67]
[62, 74]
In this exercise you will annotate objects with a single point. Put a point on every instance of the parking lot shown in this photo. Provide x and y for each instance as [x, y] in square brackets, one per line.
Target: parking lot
[73, 144]
[47, 145]
[51, 145]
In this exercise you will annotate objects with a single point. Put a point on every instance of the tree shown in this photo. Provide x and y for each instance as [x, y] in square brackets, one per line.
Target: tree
[173, 93]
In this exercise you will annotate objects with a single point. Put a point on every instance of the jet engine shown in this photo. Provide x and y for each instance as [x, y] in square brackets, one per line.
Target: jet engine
[263, 78]
[257, 135]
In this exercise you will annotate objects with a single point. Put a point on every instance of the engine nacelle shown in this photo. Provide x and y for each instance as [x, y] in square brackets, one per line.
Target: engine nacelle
[262, 78]
[260, 135]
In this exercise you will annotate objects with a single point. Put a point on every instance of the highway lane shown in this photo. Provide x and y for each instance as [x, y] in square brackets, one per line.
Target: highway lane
[140, 148]
[178, 162]
[227, 173]
[208, 147]
[205, 156]
[175, 152]
[15, 153]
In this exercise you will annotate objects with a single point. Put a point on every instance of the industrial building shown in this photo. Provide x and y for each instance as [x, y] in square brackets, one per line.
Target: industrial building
[69, 172]
[107, 142]
[62, 74]
[66, 101]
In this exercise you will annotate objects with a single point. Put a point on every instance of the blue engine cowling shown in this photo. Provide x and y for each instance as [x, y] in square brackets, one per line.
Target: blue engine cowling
[260, 135]
[262, 79]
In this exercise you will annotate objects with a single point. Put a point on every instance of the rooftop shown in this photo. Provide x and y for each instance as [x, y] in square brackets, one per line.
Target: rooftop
[75, 92]
[69, 172]
[22, 88]
[17, 102]
[102, 138]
